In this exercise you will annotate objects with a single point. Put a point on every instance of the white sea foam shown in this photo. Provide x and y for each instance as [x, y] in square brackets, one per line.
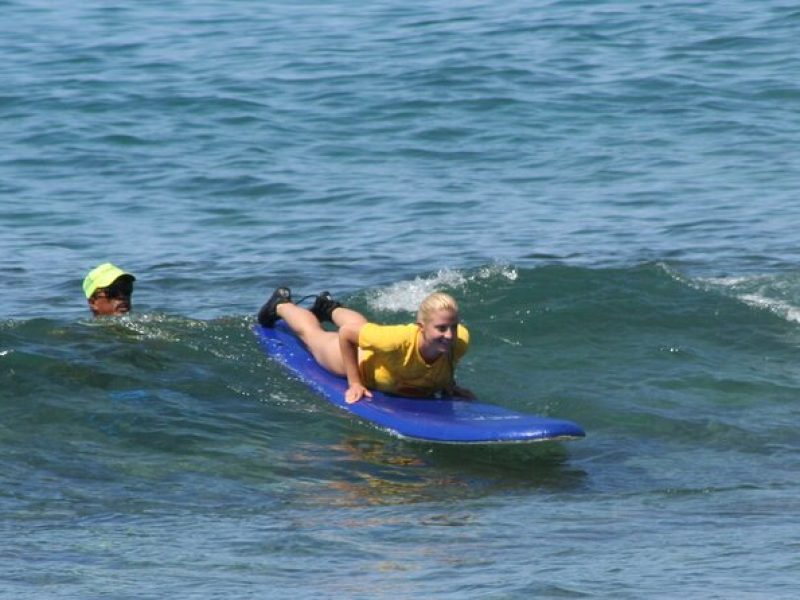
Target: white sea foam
[764, 292]
[405, 296]
[779, 307]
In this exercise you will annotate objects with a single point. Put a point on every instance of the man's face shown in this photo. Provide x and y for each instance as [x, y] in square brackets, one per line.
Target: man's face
[112, 300]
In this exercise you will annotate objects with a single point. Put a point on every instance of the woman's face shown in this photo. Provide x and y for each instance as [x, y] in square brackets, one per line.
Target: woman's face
[438, 333]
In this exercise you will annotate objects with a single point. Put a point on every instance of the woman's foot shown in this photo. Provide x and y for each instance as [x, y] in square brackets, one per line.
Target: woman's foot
[324, 306]
[268, 314]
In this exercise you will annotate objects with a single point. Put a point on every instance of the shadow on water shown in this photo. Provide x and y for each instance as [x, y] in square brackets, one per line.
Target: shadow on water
[372, 471]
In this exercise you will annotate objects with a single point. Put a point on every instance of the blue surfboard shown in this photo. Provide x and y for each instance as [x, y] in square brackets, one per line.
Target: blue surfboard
[441, 420]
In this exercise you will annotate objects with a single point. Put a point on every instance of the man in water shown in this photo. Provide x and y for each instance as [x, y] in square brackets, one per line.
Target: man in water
[108, 290]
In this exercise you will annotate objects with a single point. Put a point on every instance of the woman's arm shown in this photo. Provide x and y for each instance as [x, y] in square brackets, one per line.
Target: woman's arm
[348, 343]
[462, 344]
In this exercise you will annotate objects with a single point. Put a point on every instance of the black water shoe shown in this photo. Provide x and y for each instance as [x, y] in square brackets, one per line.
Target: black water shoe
[268, 314]
[324, 306]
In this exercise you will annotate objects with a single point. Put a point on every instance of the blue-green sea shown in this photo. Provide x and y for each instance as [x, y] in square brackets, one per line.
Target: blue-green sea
[609, 188]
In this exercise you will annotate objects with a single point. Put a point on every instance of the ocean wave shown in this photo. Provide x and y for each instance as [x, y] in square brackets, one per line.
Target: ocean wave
[778, 294]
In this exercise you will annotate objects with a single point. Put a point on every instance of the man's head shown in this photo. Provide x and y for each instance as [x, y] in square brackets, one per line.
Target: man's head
[108, 290]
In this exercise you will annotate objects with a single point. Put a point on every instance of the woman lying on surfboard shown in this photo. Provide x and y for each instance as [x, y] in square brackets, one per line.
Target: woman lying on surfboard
[417, 359]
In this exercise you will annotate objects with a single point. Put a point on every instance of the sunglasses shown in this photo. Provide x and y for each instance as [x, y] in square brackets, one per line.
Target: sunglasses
[115, 291]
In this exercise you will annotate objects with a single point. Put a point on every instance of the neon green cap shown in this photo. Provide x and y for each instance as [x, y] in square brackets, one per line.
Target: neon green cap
[103, 276]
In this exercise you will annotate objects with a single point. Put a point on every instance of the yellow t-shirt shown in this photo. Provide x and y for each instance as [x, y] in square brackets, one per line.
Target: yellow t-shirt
[390, 361]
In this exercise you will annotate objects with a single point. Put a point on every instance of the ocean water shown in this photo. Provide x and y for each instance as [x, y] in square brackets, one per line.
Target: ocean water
[610, 190]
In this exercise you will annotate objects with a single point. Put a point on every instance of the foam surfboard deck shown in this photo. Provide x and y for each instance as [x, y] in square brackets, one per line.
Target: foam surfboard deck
[440, 420]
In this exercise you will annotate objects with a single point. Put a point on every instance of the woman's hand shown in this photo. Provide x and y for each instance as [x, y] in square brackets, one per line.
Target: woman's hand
[459, 392]
[355, 393]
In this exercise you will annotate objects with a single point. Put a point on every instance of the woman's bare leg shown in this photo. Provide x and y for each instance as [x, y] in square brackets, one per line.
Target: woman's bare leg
[323, 344]
[342, 315]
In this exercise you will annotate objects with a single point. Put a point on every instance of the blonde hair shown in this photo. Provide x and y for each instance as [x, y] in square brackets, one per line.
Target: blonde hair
[435, 302]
